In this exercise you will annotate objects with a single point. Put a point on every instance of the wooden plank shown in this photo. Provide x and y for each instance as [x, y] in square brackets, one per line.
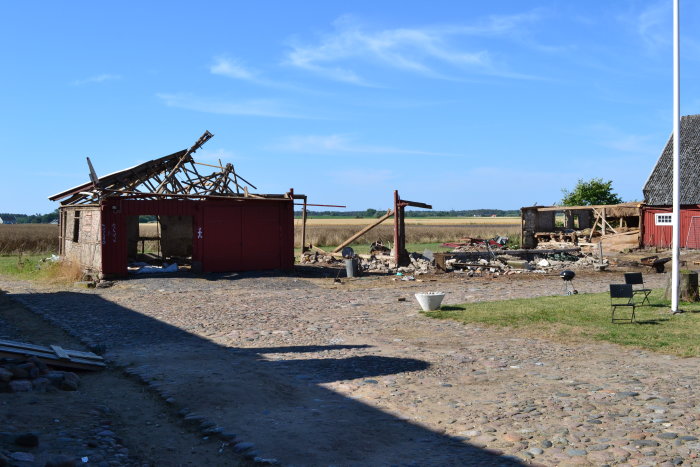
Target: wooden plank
[51, 359]
[347, 242]
[60, 353]
[64, 357]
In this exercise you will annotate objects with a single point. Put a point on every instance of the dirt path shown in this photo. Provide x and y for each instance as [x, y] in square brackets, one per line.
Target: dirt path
[315, 373]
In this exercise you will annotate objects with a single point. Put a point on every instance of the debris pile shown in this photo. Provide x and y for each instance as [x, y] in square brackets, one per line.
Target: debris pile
[375, 263]
[33, 375]
[477, 244]
[507, 265]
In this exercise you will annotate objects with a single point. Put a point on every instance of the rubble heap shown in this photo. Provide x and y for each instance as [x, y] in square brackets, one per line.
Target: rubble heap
[33, 375]
[501, 264]
[375, 263]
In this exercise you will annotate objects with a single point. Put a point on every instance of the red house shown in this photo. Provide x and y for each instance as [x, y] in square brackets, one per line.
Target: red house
[204, 222]
[658, 191]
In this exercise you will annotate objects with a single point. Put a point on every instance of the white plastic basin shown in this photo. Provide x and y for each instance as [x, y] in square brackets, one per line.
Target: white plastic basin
[430, 301]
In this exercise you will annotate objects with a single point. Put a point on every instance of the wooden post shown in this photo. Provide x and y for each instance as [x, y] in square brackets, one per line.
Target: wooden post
[603, 222]
[303, 226]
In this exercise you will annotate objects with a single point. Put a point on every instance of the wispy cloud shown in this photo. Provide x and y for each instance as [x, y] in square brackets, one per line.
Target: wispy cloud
[614, 138]
[653, 24]
[424, 51]
[250, 107]
[97, 79]
[342, 144]
[232, 68]
[235, 69]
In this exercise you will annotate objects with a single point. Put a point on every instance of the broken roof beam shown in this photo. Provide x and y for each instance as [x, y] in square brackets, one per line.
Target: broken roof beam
[170, 178]
[414, 204]
[366, 229]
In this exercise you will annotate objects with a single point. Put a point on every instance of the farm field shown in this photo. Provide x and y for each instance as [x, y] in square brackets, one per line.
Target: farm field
[43, 238]
[28, 238]
[419, 221]
[332, 235]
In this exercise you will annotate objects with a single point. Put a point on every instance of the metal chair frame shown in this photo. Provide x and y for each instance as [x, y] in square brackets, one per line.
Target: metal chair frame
[636, 278]
[622, 291]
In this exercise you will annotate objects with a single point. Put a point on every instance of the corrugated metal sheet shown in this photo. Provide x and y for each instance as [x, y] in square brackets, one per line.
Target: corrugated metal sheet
[660, 235]
[241, 234]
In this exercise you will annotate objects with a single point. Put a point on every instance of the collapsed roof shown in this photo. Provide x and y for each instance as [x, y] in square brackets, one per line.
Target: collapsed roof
[175, 175]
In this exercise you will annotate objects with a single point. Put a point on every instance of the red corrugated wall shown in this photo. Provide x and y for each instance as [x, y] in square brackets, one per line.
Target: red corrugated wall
[660, 235]
[228, 234]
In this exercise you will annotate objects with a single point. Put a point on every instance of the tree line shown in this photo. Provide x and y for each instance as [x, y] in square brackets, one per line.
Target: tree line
[369, 213]
[33, 218]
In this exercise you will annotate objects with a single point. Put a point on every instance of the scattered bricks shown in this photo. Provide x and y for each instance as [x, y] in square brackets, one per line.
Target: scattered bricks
[20, 385]
[19, 372]
[70, 382]
[62, 461]
[31, 370]
[27, 440]
[41, 384]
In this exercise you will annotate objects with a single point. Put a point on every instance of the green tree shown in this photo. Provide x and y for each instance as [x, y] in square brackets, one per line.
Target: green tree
[593, 191]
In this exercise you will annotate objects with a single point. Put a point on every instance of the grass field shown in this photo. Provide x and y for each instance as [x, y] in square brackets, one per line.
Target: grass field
[43, 238]
[28, 238]
[36, 266]
[587, 317]
[326, 235]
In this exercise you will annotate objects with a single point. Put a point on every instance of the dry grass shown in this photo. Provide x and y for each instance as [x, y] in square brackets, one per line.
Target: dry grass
[324, 234]
[36, 266]
[433, 221]
[28, 238]
[332, 235]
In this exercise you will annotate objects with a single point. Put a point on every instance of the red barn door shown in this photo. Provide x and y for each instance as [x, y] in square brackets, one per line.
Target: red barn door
[221, 238]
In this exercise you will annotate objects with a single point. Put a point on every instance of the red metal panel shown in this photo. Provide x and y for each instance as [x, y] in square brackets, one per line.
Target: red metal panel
[660, 235]
[262, 247]
[221, 238]
[114, 242]
[228, 235]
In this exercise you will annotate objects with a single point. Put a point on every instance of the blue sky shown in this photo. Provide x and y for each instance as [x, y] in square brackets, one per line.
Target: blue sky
[459, 104]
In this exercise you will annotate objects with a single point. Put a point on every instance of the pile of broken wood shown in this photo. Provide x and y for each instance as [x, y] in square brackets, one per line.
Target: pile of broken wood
[27, 367]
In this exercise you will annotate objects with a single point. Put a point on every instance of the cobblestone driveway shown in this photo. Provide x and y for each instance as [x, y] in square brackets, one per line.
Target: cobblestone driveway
[314, 373]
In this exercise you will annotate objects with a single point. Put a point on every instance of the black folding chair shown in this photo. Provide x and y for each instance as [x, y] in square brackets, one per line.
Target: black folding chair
[621, 295]
[635, 278]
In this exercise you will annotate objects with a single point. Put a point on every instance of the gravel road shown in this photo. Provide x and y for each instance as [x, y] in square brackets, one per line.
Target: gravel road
[305, 371]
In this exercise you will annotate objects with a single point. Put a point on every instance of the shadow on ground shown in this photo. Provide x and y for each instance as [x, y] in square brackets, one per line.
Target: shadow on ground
[273, 397]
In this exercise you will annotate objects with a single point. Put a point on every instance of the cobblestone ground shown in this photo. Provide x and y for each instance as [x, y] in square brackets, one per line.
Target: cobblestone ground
[317, 373]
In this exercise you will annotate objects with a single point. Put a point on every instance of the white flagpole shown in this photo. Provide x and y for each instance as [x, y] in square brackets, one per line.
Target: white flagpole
[675, 258]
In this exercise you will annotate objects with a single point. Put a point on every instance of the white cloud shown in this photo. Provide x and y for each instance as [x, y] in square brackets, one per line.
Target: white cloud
[233, 69]
[424, 50]
[250, 107]
[97, 79]
[653, 25]
[341, 144]
[613, 138]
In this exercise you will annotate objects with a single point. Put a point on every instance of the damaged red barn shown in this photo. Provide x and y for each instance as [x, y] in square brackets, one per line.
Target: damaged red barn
[210, 222]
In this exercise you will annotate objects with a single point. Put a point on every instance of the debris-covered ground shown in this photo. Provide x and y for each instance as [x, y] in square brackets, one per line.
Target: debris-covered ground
[304, 370]
[55, 418]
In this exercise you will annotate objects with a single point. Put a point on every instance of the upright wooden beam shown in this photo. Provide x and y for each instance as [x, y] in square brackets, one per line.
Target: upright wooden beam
[303, 226]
